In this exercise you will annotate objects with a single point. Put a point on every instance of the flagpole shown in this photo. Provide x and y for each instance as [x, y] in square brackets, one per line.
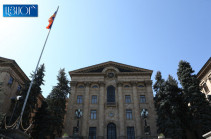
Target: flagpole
[28, 92]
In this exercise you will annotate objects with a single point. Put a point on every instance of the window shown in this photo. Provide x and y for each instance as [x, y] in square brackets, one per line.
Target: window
[129, 114]
[94, 86]
[130, 133]
[127, 99]
[140, 86]
[126, 86]
[93, 114]
[206, 88]
[10, 81]
[79, 99]
[94, 99]
[75, 130]
[80, 86]
[110, 94]
[142, 99]
[92, 133]
[19, 88]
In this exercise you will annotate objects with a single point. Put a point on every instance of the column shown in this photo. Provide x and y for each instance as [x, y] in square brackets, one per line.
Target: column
[122, 133]
[151, 120]
[85, 111]
[136, 112]
[70, 110]
[101, 112]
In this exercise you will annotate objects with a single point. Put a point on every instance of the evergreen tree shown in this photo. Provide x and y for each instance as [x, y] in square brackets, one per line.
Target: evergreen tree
[42, 120]
[169, 107]
[32, 103]
[199, 111]
[159, 101]
[57, 102]
[175, 109]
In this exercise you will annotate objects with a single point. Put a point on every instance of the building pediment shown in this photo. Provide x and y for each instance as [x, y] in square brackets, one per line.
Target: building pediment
[4, 62]
[102, 67]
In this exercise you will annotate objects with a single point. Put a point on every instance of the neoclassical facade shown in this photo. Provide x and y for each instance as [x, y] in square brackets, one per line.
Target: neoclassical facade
[111, 96]
[204, 76]
[12, 80]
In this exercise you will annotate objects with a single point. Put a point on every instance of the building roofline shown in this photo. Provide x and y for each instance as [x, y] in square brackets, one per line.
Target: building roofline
[107, 63]
[204, 69]
[12, 63]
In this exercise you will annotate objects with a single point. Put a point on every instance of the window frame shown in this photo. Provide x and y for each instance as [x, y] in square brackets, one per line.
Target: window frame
[142, 97]
[94, 100]
[127, 99]
[92, 133]
[129, 114]
[79, 99]
[130, 132]
[93, 114]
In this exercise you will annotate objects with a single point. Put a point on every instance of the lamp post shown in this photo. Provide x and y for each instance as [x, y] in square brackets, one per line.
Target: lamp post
[144, 115]
[78, 114]
[16, 99]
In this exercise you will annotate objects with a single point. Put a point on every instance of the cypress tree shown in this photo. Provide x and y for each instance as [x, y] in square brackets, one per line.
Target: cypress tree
[199, 110]
[57, 102]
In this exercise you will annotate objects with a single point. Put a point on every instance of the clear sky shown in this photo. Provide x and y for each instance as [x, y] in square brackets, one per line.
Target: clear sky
[151, 34]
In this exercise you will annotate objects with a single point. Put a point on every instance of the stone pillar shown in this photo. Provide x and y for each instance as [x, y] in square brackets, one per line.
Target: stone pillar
[151, 120]
[136, 112]
[70, 110]
[121, 113]
[101, 112]
[85, 111]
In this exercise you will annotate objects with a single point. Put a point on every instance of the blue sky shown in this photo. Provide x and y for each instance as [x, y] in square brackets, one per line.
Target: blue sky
[151, 34]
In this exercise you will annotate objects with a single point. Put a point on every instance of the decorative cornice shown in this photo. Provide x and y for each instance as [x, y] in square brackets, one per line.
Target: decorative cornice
[102, 84]
[119, 84]
[73, 83]
[87, 84]
[107, 64]
[148, 82]
[14, 66]
[204, 69]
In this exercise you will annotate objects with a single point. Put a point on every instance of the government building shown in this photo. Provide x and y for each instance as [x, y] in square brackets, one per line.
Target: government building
[204, 77]
[112, 98]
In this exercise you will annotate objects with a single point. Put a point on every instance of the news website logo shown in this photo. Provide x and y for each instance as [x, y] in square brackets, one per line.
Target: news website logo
[12, 10]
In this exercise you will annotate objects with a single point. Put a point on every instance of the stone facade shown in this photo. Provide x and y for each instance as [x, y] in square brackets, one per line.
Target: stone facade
[130, 90]
[204, 76]
[12, 79]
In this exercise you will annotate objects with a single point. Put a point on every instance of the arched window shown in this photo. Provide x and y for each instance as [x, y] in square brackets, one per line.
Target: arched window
[94, 86]
[80, 86]
[111, 131]
[110, 94]
[126, 86]
[140, 86]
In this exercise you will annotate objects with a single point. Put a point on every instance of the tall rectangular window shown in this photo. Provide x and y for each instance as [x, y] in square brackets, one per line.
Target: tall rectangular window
[10, 80]
[94, 99]
[142, 99]
[206, 88]
[130, 133]
[92, 133]
[129, 114]
[93, 114]
[79, 99]
[127, 99]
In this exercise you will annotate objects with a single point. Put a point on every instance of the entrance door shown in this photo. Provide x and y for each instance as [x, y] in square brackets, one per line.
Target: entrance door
[111, 131]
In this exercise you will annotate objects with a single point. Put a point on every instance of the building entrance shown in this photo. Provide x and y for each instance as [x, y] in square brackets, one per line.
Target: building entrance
[111, 131]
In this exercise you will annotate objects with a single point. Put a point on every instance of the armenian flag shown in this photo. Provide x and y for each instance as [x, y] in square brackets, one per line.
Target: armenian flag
[50, 20]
